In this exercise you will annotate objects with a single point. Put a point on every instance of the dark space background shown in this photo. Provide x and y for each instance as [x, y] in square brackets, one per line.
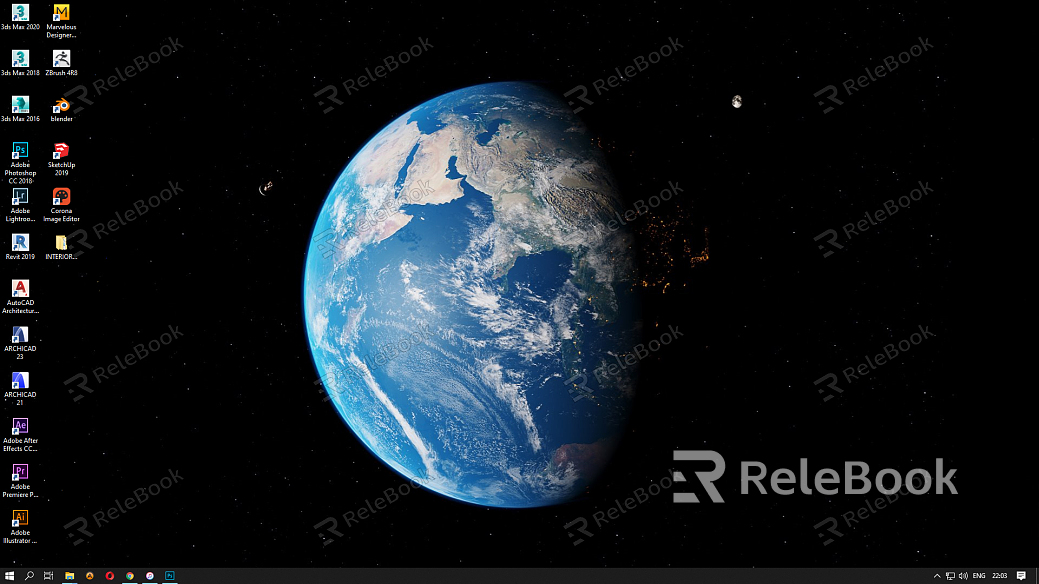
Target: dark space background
[233, 405]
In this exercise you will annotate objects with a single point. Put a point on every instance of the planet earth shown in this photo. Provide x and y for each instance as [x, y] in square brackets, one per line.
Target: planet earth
[468, 285]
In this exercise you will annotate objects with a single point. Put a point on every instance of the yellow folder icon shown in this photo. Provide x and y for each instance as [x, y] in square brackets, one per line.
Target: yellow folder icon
[61, 242]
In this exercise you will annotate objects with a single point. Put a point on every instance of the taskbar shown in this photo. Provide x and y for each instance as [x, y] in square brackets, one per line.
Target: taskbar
[519, 575]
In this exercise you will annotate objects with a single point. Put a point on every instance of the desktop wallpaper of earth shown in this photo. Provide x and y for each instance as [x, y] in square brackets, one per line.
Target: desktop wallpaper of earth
[453, 283]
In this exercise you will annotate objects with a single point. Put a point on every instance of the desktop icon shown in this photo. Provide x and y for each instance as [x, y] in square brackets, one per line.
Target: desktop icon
[62, 105]
[20, 58]
[19, 196]
[20, 518]
[62, 58]
[19, 288]
[19, 426]
[61, 12]
[19, 150]
[19, 334]
[61, 150]
[19, 104]
[19, 472]
[19, 380]
[19, 242]
[61, 196]
[61, 242]
[19, 13]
